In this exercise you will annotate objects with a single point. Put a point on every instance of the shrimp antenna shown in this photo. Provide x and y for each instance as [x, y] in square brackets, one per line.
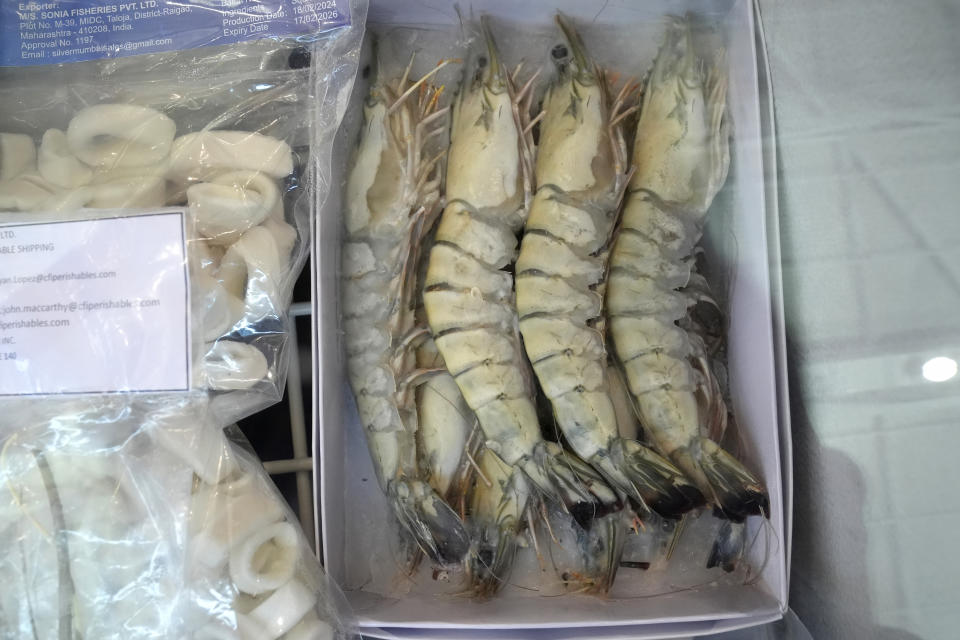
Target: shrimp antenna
[416, 85]
[406, 71]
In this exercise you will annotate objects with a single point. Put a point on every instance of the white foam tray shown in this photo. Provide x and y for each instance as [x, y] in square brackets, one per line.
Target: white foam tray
[742, 236]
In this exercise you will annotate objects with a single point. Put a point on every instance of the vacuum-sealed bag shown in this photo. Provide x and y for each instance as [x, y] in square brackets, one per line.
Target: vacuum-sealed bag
[232, 137]
[129, 524]
[160, 163]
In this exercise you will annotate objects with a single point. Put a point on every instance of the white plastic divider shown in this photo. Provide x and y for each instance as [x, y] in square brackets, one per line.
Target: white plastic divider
[301, 463]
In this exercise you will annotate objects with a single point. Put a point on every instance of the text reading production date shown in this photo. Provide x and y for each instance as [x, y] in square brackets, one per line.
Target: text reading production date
[311, 10]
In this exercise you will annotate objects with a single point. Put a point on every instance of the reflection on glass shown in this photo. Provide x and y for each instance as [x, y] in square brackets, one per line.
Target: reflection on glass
[939, 369]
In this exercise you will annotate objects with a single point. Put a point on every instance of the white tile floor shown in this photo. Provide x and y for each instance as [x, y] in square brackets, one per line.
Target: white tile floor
[866, 98]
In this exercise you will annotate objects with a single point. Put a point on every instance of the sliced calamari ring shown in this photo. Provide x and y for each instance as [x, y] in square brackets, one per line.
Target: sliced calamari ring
[283, 609]
[315, 629]
[135, 192]
[232, 203]
[223, 519]
[121, 135]
[230, 365]
[58, 165]
[266, 560]
[17, 155]
[198, 156]
[221, 310]
[24, 194]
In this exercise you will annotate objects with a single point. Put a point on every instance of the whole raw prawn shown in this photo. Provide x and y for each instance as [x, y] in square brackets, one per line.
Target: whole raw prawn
[581, 173]
[680, 161]
[468, 294]
[392, 198]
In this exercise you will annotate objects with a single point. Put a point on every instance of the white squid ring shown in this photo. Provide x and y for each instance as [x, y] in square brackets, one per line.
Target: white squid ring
[204, 258]
[230, 365]
[197, 156]
[258, 250]
[232, 274]
[221, 309]
[311, 630]
[71, 201]
[24, 193]
[121, 135]
[283, 609]
[284, 235]
[232, 203]
[58, 165]
[200, 444]
[138, 191]
[223, 518]
[266, 560]
[17, 155]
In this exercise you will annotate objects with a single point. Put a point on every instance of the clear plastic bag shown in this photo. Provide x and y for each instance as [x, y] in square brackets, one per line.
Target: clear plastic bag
[127, 511]
[123, 524]
[238, 135]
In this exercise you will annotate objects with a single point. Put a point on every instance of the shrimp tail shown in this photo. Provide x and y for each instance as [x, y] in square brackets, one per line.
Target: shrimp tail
[435, 527]
[728, 546]
[604, 542]
[582, 491]
[659, 485]
[491, 561]
[737, 492]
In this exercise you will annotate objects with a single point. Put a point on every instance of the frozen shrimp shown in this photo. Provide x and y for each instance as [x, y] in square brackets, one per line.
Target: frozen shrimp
[468, 294]
[392, 198]
[680, 161]
[581, 173]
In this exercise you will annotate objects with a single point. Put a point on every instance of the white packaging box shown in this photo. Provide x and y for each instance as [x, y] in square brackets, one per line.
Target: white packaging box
[742, 242]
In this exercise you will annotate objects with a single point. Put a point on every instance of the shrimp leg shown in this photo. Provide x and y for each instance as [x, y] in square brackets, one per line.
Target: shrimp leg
[392, 198]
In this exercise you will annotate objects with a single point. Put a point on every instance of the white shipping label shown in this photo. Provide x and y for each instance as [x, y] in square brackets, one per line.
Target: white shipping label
[95, 306]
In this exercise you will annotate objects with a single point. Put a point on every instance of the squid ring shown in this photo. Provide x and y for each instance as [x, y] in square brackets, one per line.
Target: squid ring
[197, 156]
[284, 235]
[24, 193]
[224, 517]
[283, 609]
[221, 309]
[257, 249]
[311, 630]
[72, 200]
[58, 165]
[231, 365]
[135, 191]
[124, 135]
[231, 203]
[266, 560]
[17, 154]
[204, 449]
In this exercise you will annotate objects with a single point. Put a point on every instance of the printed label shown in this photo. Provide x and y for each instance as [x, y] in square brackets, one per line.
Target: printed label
[95, 306]
[34, 32]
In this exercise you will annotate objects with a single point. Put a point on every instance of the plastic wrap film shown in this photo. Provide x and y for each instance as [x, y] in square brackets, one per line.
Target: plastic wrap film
[123, 523]
[237, 136]
[156, 203]
[556, 320]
